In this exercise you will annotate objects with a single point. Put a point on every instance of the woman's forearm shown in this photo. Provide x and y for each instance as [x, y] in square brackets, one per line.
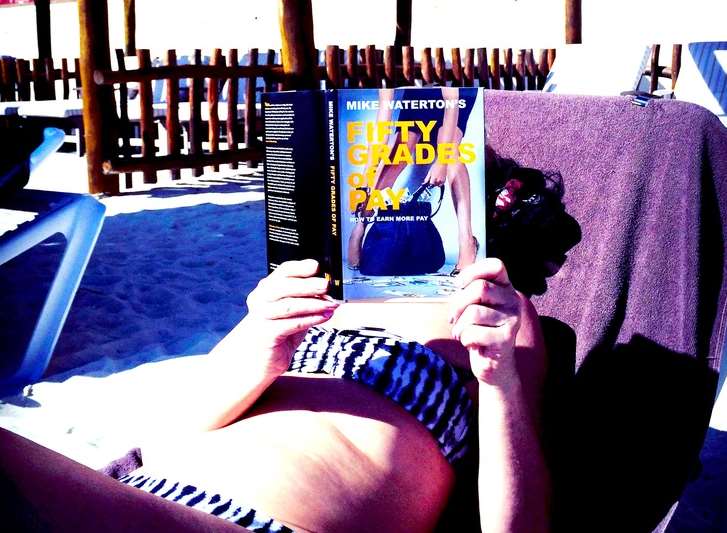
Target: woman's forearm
[210, 391]
[513, 481]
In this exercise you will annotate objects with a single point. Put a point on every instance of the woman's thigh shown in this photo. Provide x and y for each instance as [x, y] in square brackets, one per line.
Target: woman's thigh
[45, 491]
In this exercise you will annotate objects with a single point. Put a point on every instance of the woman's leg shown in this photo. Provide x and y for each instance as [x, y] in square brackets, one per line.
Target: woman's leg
[387, 175]
[49, 492]
[459, 183]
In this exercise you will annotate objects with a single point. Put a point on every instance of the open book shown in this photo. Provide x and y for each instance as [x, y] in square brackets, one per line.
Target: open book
[384, 187]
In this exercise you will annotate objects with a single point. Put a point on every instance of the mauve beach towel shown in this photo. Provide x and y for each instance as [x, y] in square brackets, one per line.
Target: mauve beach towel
[637, 309]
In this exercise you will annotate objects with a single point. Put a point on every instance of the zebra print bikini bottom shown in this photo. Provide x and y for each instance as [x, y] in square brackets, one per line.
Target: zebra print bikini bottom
[408, 373]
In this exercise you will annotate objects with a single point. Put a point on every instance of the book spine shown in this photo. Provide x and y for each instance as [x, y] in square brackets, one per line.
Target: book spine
[294, 218]
[333, 240]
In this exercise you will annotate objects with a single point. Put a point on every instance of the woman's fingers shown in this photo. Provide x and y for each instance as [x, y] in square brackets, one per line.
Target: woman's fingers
[488, 339]
[482, 292]
[480, 315]
[272, 289]
[290, 279]
[297, 307]
[281, 330]
[490, 269]
[296, 269]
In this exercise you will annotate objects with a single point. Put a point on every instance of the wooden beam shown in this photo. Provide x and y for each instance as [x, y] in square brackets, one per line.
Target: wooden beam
[130, 27]
[573, 22]
[300, 58]
[403, 27]
[42, 22]
[166, 162]
[110, 77]
[98, 101]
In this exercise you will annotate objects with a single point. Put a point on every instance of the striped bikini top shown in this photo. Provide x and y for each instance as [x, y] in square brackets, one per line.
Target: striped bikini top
[409, 373]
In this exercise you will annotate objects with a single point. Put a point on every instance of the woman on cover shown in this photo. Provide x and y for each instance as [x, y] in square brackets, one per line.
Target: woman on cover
[451, 126]
[313, 424]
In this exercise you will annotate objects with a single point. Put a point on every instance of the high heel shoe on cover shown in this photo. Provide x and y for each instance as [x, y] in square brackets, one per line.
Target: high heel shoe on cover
[457, 269]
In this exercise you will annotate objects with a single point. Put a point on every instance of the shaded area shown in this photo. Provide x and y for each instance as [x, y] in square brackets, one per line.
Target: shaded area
[630, 438]
[703, 506]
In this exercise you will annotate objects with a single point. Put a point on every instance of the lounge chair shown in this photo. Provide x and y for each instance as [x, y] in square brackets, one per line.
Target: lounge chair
[638, 308]
[78, 217]
[703, 77]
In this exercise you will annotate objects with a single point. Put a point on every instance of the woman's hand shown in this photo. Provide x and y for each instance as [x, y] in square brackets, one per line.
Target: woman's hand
[282, 308]
[437, 175]
[485, 315]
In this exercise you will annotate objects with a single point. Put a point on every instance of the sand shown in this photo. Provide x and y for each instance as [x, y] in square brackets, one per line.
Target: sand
[168, 279]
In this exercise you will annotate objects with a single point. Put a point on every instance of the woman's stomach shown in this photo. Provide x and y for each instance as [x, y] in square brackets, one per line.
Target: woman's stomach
[319, 454]
[424, 322]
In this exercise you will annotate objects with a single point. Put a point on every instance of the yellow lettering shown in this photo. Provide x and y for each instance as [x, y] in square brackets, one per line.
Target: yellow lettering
[353, 129]
[355, 197]
[466, 153]
[446, 154]
[426, 129]
[380, 152]
[395, 197]
[357, 154]
[356, 179]
[404, 126]
[383, 129]
[371, 177]
[402, 155]
[425, 153]
[376, 199]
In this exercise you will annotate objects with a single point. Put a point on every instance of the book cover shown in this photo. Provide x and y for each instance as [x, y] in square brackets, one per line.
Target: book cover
[384, 187]
[412, 189]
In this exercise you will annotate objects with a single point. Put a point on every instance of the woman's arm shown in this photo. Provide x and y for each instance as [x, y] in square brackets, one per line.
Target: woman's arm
[500, 329]
[447, 134]
[225, 383]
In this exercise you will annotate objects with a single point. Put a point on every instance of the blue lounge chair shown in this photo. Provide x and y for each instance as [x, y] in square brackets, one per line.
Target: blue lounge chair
[79, 218]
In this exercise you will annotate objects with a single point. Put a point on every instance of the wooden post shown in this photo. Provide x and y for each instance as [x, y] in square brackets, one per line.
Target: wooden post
[573, 22]
[483, 70]
[403, 28]
[427, 66]
[469, 67]
[124, 125]
[146, 105]
[333, 67]
[440, 66]
[42, 23]
[232, 97]
[495, 71]
[408, 66]
[654, 73]
[352, 66]
[196, 86]
[213, 122]
[372, 72]
[130, 27]
[174, 130]
[64, 79]
[299, 55]
[676, 63]
[390, 66]
[98, 100]
[250, 131]
[457, 75]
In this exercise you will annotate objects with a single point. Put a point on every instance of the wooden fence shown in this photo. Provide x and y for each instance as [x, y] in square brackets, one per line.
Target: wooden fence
[22, 80]
[198, 136]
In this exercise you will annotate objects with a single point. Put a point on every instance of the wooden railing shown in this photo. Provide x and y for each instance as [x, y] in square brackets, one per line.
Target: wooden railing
[22, 80]
[190, 143]
[656, 71]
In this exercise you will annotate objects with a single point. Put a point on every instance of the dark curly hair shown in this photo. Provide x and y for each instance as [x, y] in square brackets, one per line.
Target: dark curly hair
[527, 227]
